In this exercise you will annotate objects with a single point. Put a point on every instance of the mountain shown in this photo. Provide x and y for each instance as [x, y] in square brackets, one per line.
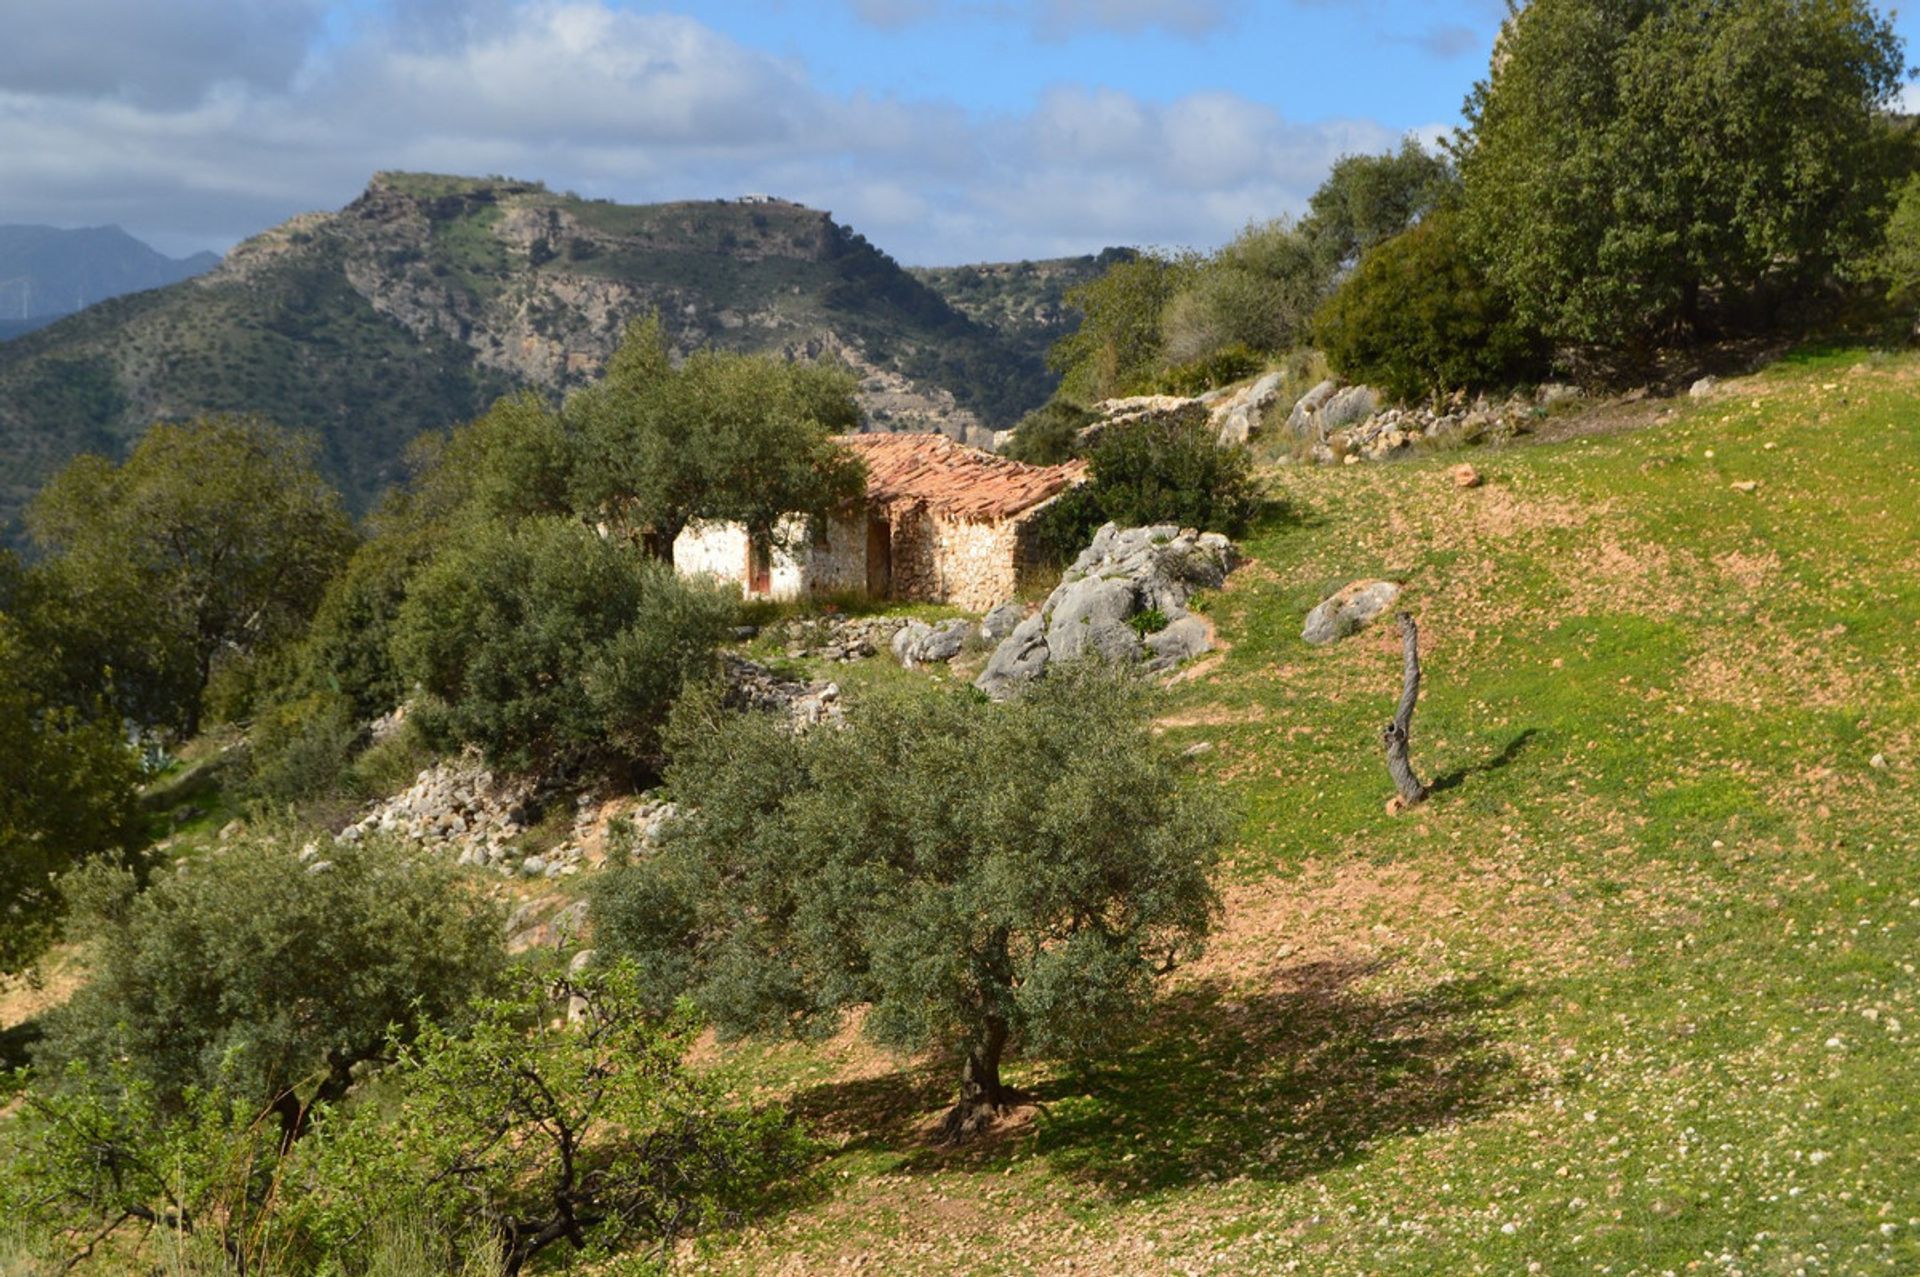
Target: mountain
[427, 297]
[46, 272]
[1025, 301]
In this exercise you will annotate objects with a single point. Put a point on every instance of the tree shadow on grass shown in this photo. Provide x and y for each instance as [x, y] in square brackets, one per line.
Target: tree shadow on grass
[1459, 776]
[1277, 1086]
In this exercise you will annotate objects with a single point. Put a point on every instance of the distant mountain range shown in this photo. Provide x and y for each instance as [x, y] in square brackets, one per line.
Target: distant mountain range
[46, 272]
[427, 297]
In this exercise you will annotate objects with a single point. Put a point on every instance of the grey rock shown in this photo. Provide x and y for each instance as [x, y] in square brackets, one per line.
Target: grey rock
[1348, 610]
[1002, 621]
[1181, 641]
[319, 866]
[918, 643]
[1021, 657]
[1703, 388]
[1304, 421]
[580, 962]
[1345, 407]
[533, 866]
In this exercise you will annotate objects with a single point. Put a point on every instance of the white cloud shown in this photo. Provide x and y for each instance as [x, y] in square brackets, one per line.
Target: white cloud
[650, 107]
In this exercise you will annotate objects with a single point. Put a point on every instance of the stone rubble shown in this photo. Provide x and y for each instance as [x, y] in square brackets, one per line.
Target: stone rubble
[918, 643]
[1099, 605]
[751, 685]
[841, 639]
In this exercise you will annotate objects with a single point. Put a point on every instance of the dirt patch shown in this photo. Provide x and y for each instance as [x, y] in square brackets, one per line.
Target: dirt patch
[27, 996]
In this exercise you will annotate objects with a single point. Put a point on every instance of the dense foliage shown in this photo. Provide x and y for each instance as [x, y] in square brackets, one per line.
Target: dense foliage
[483, 1149]
[730, 437]
[867, 865]
[214, 538]
[1163, 468]
[547, 643]
[264, 972]
[1638, 172]
[1417, 319]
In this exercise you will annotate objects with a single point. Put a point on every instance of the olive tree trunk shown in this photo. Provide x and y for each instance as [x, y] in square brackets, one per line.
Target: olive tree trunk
[984, 1098]
[1395, 735]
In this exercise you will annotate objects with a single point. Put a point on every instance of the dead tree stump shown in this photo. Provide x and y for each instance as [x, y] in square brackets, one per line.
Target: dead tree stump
[1395, 735]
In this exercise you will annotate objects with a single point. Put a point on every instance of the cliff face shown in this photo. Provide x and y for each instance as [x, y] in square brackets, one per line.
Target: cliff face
[425, 298]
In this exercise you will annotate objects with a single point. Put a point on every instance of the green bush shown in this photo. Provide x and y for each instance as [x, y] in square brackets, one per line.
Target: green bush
[255, 972]
[1220, 368]
[1168, 468]
[1049, 434]
[301, 749]
[1417, 318]
[549, 645]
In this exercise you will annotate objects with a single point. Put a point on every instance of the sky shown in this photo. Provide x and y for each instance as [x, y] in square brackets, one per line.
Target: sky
[945, 131]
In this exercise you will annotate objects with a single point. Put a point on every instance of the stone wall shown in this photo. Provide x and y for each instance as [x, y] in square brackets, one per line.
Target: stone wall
[979, 563]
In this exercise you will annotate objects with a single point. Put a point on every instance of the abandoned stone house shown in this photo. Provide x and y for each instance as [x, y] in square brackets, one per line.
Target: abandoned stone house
[940, 522]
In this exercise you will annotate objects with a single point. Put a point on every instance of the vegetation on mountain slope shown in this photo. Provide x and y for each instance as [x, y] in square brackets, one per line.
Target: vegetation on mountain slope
[428, 298]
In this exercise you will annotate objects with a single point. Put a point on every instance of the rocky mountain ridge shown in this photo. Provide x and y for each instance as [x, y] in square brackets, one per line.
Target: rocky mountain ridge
[428, 296]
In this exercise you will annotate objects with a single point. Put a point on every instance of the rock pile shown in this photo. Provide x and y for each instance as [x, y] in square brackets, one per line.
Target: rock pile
[751, 685]
[461, 807]
[836, 638]
[1124, 598]
[1331, 434]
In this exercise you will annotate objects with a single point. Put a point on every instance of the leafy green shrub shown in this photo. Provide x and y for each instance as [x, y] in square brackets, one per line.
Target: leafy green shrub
[1417, 318]
[1220, 368]
[1151, 621]
[1049, 434]
[1117, 347]
[1897, 264]
[69, 792]
[1161, 469]
[255, 972]
[593, 1135]
[867, 866]
[548, 644]
[301, 748]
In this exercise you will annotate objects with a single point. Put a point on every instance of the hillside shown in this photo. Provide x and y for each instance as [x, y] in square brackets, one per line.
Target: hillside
[1026, 301]
[46, 272]
[427, 297]
[1633, 993]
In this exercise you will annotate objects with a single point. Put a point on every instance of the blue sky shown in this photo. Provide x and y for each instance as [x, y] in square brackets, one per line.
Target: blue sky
[944, 130]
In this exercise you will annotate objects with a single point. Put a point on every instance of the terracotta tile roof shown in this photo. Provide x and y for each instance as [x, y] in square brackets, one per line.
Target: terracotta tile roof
[953, 479]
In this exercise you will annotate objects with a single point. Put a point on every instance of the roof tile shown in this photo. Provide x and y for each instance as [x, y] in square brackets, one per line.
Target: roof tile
[953, 479]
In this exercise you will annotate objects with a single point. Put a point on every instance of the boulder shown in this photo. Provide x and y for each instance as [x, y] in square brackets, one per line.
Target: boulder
[1348, 610]
[1121, 575]
[1345, 407]
[1181, 641]
[1002, 621]
[1304, 421]
[1703, 388]
[1237, 415]
[918, 643]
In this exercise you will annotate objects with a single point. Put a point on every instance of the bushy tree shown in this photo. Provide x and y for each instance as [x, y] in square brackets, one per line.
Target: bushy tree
[1897, 264]
[1164, 468]
[870, 865]
[746, 438]
[546, 643]
[69, 792]
[214, 536]
[592, 1135]
[1258, 291]
[1417, 318]
[1631, 165]
[1117, 348]
[1049, 434]
[263, 969]
[1369, 199]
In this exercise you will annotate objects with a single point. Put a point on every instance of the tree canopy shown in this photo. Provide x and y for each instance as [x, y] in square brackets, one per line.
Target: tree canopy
[745, 438]
[215, 536]
[868, 864]
[1631, 165]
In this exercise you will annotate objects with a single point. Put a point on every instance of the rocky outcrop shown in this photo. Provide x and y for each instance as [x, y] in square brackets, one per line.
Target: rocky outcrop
[1234, 413]
[1124, 599]
[918, 643]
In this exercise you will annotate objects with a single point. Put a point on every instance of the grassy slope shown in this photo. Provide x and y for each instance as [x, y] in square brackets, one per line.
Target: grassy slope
[1635, 993]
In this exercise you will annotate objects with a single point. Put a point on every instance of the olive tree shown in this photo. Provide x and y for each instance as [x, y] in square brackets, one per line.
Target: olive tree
[263, 969]
[746, 438]
[988, 877]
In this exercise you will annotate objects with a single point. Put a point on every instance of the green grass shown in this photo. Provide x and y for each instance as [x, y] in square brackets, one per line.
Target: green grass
[1634, 992]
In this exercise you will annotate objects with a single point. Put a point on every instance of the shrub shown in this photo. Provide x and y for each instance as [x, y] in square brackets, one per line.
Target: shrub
[1049, 434]
[1219, 368]
[255, 971]
[546, 643]
[1161, 469]
[1417, 318]
[867, 866]
[301, 748]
